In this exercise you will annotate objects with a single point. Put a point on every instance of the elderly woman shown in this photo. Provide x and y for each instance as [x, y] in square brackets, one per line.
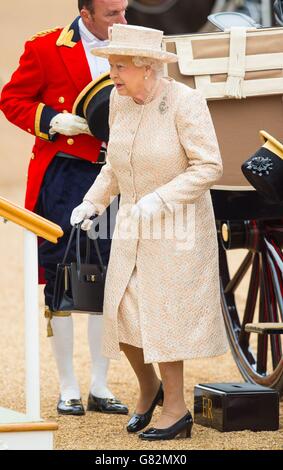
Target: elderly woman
[162, 299]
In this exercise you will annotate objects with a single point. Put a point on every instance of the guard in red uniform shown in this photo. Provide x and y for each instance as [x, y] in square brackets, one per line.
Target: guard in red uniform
[55, 67]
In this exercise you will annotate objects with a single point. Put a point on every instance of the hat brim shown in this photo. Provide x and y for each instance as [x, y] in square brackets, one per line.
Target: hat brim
[162, 56]
[96, 110]
[78, 106]
[93, 105]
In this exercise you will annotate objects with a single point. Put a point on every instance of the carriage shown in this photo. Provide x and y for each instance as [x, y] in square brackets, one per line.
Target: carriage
[240, 72]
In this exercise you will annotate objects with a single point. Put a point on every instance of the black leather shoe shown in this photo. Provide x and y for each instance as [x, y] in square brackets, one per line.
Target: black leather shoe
[106, 405]
[70, 407]
[140, 421]
[182, 428]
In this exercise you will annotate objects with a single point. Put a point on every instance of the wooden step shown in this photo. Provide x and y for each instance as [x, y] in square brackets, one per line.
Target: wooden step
[265, 328]
[17, 432]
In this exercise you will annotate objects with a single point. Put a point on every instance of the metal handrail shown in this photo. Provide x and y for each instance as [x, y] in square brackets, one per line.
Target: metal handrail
[34, 223]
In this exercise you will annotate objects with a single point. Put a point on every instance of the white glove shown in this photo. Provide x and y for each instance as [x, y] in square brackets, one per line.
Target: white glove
[68, 124]
[82, 212]
[148, 206]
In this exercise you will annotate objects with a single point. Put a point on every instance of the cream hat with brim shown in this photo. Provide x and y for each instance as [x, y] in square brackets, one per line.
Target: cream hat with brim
[135, 41]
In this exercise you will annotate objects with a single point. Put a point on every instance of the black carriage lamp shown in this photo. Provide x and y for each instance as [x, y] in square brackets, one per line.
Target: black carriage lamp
[264, 169]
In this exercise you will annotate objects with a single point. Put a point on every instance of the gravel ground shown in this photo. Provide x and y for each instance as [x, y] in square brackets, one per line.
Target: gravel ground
[94, 430]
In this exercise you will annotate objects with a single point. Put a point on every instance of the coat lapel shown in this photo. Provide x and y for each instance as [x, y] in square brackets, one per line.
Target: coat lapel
[73, 55]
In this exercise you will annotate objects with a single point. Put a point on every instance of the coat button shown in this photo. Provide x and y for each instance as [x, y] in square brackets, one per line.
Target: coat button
[29, 130]
[61, 99]
[65, 111]
[32, 156]
[70, 141]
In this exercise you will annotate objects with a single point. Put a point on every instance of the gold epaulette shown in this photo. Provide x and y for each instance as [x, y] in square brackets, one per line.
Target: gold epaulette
[44, 33]
[66, 37]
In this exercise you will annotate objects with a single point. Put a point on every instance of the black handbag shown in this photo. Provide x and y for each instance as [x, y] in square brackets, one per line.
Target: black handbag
[79, 287]
[264, 170]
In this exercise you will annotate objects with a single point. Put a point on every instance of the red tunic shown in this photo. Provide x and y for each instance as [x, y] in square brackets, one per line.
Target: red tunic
[53, 70]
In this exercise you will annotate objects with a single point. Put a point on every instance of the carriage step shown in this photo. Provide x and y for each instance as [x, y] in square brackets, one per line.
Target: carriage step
[265, 328]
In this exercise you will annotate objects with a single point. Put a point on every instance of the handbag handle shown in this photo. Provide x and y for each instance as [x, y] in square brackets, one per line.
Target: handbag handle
[78, 251]
[69, 244]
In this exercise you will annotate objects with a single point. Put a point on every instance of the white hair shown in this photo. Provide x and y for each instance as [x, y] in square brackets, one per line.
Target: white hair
[154, 64]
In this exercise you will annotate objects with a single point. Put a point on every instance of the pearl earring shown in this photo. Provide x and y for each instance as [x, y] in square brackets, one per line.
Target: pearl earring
[145, 77]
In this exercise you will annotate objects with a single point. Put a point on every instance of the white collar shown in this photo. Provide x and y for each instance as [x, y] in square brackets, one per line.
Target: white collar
[87, 35]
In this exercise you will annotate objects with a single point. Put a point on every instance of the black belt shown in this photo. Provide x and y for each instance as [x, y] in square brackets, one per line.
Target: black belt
[100, 161]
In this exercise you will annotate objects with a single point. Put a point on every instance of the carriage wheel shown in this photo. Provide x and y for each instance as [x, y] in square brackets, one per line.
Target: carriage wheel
[260, 275]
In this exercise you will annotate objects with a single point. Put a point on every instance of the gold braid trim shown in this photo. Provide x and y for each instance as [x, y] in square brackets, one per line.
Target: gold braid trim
[94, 92]
[44, 33]
[37, 120]
[49, 315]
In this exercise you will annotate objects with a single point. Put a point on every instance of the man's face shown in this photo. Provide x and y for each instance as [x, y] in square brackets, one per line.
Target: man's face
[105, 13]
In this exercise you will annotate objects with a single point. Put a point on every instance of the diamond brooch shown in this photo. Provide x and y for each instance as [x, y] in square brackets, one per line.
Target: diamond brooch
[163, 107]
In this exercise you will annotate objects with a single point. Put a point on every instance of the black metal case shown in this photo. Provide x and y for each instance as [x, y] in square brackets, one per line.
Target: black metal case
[236, 406]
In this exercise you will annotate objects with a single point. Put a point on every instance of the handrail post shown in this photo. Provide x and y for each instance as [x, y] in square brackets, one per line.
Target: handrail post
[31, 326]
[35, 226]
[28, 431]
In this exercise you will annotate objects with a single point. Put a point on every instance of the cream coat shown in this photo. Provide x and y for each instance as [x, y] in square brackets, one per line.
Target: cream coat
[168, 146]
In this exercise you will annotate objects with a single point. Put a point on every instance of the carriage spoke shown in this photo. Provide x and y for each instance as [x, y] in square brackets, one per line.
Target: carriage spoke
[263, 317]
[223, 265]
[275, 261]
[277, 284]
[272, 311]
[238, 276]
[276, 350]
[229, 298]
[251, 303]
